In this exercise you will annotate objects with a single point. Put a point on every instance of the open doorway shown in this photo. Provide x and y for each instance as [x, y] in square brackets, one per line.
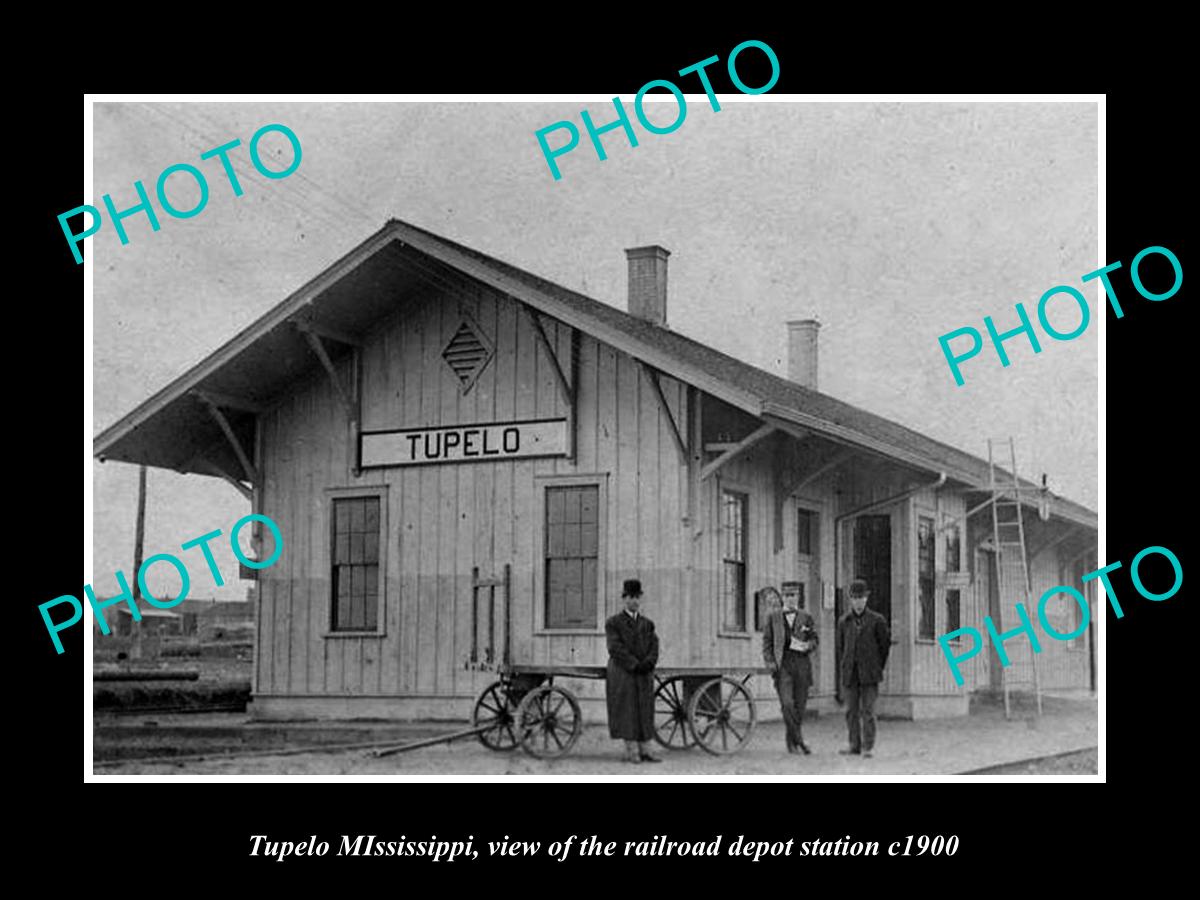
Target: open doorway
[873, 560]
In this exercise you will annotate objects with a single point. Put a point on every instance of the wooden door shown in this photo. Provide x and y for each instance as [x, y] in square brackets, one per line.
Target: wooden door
[873, 561]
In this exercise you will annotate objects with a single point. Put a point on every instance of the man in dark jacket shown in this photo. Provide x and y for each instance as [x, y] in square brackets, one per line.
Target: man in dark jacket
[863, 645]
[632, 655]
[788, 637]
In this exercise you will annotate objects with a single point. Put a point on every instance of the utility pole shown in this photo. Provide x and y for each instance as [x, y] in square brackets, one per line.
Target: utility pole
[138, 540]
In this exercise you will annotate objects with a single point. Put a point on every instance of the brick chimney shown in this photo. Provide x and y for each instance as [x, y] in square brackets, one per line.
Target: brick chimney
[648, 283]
[802, 351]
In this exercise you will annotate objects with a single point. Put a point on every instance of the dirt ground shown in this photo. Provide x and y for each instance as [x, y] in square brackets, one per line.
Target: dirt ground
[929, 747]
[1084, 762]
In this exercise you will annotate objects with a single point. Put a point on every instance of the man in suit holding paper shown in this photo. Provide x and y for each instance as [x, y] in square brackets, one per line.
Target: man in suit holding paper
[789, 637]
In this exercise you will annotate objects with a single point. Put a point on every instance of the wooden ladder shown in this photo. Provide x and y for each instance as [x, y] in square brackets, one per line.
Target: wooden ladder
[1012, 564]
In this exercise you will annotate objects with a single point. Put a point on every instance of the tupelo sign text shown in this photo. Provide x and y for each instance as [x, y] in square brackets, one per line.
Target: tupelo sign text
[463, 443]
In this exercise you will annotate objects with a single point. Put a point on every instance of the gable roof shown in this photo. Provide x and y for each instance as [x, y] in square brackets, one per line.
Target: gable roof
[172, 428]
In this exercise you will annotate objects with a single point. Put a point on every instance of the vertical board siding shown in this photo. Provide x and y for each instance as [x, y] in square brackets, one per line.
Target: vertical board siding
[443, 520]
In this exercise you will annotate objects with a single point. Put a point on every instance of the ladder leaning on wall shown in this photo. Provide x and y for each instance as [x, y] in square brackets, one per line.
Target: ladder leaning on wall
[1012, 565]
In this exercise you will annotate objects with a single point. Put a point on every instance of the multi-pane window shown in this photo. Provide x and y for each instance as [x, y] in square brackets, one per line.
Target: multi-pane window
[733, 559]
[355, 574]
[953, 549]
[925, 577]
[572, 555]
[805, 530]
[953, 611]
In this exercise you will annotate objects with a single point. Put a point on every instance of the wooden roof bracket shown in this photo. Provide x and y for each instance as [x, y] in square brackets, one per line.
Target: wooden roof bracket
[652, 374]
[736, 450]
[784, 489]
[215, 411]
[565, 388]
[221, 473]
[1072, 531]
[535, 322]
[350, 398]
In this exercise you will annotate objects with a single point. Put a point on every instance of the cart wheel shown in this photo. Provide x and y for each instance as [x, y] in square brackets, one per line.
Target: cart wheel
[495, 707]
[671, 716]
[722, 716]
[548, 721]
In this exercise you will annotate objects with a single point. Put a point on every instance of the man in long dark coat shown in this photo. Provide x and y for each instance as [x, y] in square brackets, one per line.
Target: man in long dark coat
[632, 655]
[863, 644]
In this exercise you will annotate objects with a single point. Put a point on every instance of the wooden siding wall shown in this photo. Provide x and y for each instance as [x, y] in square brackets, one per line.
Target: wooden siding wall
[865, 481]
[445, 519]
[1061, 665]
[753, 474]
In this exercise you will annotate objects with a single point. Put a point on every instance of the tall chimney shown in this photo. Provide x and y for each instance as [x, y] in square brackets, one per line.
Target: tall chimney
[802, 351]
[648, 283]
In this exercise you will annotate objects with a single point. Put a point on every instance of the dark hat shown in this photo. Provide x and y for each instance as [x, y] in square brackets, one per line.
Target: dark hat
[858, 588]
[632, 588]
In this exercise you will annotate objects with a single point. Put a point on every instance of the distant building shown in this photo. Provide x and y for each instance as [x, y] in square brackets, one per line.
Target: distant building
[161, 622]
[217, 620]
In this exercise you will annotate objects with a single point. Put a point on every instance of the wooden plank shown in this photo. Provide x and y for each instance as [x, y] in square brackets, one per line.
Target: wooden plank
[571, 346]
[409, 524]
[729, 455]
[555, 364]
[343, 391]
[530, 367]
[380, 389]
[673, 425]
[281, 637]
[625, 478]
[430, 491]
[227, 430]
[586, 406]
[606, 461]
[507, 324]
[482, 534]
[325, 331]
[670, 527]
[217, 470]
[230, 401]
[649, 486]
[300, 509]
[461, 557]
[788, 487]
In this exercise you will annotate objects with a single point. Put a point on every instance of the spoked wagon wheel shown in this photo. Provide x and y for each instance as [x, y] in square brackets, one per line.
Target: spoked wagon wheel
[671, 715]
[495, 708]
[722, 716]
[548, 721]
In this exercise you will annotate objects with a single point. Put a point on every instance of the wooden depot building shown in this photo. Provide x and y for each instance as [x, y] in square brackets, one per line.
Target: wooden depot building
[453, 447]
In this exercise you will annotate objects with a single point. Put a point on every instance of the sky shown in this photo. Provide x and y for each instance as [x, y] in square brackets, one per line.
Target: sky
[891, 223]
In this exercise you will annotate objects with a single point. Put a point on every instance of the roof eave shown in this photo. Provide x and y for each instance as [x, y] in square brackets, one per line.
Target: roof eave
[277, 315]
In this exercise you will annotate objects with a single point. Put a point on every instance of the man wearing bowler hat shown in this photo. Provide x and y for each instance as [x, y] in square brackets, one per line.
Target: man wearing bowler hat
[863, 644]
[629, 686]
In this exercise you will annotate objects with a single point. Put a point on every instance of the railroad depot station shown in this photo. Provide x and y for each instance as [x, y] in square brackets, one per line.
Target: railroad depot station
[466, 461]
